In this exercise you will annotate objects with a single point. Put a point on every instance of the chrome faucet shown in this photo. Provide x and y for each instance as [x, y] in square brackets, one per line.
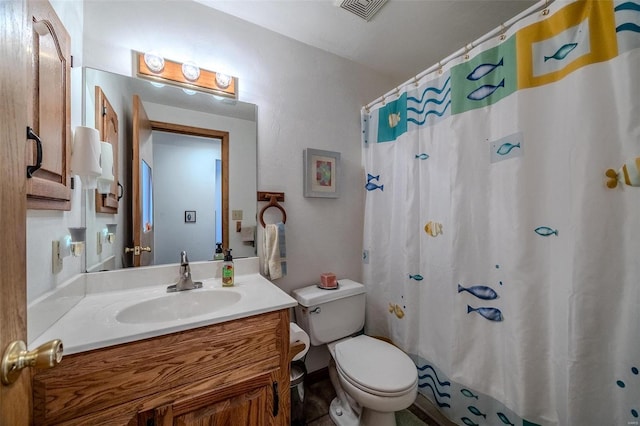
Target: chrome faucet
[184, 282]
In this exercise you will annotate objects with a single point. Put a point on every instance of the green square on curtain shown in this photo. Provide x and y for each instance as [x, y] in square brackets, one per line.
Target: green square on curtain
[392, 119]
[484, 79]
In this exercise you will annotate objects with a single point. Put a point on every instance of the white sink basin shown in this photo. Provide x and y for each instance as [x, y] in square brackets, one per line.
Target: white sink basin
[178, 306]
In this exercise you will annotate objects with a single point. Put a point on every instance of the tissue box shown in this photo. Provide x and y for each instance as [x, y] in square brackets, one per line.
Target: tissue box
[328, 280]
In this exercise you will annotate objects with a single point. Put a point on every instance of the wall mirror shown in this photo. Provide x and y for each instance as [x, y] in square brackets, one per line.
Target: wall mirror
[191, 169]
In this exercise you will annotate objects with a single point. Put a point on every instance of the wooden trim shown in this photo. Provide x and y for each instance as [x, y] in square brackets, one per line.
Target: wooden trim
[224, 141]
[15, 400]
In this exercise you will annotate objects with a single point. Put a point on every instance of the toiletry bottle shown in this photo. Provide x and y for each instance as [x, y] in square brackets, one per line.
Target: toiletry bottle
[218, 254]
[227, 270]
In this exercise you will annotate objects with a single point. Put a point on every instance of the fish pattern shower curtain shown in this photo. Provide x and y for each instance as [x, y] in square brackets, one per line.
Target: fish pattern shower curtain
[502, 222]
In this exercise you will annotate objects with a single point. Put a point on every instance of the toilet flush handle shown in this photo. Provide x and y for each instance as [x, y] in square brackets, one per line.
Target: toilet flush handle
[315, 310]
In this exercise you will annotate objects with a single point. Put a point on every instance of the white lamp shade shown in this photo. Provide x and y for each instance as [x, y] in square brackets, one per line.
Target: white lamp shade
[106, 162]
[85, 156]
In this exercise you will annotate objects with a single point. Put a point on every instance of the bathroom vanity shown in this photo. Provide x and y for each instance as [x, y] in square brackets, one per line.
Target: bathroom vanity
[225, 367]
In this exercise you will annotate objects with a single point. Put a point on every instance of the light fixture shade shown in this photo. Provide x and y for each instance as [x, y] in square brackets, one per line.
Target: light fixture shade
[106, 162]
[154, 62]
[223, 80]
[85, 156]
[190, 71]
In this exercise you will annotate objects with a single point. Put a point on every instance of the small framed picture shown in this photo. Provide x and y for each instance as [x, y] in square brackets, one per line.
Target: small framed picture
[321, 173]
[190, 216]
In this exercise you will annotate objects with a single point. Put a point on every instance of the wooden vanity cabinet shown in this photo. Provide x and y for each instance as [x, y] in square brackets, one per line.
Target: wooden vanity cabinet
[233, 374]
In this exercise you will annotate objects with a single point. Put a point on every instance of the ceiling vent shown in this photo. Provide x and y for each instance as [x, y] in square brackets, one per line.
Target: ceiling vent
[364, 9]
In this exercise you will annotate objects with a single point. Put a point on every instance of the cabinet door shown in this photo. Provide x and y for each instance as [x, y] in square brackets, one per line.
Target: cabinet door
[251, 402]
[107, 125]
[49, 110]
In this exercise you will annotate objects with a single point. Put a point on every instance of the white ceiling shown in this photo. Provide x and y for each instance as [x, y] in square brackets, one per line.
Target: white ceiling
[403, 39]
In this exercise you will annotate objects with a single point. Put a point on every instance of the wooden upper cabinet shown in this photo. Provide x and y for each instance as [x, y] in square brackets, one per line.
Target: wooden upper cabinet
[107, 125]
[49, 109]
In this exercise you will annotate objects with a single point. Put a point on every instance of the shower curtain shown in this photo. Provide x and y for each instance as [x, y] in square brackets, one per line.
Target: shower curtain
[502, 222]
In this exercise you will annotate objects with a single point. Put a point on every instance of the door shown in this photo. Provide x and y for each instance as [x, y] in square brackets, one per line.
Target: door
[141, 163]
[15, 400]
[107, 125]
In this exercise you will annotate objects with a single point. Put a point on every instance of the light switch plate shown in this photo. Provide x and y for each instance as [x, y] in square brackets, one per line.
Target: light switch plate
[236, 214]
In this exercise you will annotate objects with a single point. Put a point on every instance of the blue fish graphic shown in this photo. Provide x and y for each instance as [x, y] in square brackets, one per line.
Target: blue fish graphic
[475, 411]
[484, 91]
[422, 156]
[562, 52]
[506, 148]
[468, 393]
[371, 177]
[372, 186]
[467, 421]
[484, 69]
[480, 291]
[545, 231]
[505, 419]
[416, 277]
[492, 314]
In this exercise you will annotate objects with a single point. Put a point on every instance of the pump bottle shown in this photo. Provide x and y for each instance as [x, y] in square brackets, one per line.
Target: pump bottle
[227, 270]
[218, 255]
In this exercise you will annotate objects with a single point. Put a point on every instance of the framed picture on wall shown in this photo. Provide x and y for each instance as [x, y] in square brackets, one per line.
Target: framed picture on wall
[190, 216]
[321, 173]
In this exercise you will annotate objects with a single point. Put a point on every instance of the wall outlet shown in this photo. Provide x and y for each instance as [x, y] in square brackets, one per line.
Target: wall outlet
[236, 214]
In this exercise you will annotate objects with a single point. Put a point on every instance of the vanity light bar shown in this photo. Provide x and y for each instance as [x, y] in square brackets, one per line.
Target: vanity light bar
[172, 73]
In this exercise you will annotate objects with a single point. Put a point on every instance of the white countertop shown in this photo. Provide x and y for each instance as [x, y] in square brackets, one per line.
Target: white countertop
[91, 323]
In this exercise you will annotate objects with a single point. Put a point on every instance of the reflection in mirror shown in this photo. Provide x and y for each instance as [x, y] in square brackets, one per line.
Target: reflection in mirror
[200, 157]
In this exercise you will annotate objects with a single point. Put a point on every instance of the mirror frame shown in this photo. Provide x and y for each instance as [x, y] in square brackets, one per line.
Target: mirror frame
[224, 140]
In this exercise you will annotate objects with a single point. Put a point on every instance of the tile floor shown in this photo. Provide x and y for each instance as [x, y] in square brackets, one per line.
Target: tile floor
[319, 393]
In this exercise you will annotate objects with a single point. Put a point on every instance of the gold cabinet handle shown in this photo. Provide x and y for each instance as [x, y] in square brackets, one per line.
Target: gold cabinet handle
[137, 250]
[16, 357]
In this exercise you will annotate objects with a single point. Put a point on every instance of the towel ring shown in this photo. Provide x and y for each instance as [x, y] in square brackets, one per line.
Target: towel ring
[272, 203]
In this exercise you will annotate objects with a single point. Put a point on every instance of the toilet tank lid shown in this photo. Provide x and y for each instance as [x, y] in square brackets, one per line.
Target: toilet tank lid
[313, 295]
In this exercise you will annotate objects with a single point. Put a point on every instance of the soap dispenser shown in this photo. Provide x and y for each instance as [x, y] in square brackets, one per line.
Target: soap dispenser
[227, 270]
[218, 255]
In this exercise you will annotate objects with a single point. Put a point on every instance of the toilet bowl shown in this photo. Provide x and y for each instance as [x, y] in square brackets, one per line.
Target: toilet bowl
[379, 377]
[373, 379]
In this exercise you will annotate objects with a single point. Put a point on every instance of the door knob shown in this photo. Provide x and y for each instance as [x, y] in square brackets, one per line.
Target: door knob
[137, 250]
[16, 357]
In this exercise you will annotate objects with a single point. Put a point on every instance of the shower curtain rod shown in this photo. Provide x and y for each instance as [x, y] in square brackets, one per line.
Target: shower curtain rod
[542, 5]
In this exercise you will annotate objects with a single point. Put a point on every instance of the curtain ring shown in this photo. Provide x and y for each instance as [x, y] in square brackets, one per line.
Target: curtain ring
[415, 80]
[439, 68]
[466, 52]
[397, 92]
[545, 11]
[384, 100]
[502, 33]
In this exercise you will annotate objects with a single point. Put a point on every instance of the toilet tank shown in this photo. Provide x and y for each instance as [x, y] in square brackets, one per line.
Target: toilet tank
[329, 315]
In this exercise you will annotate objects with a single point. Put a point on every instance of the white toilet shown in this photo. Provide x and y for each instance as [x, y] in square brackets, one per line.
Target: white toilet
[373, 379]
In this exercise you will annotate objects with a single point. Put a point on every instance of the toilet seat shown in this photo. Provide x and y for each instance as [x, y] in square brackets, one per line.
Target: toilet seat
[375, 366]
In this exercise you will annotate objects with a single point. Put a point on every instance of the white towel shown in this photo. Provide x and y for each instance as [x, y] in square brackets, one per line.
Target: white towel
[275, 253]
